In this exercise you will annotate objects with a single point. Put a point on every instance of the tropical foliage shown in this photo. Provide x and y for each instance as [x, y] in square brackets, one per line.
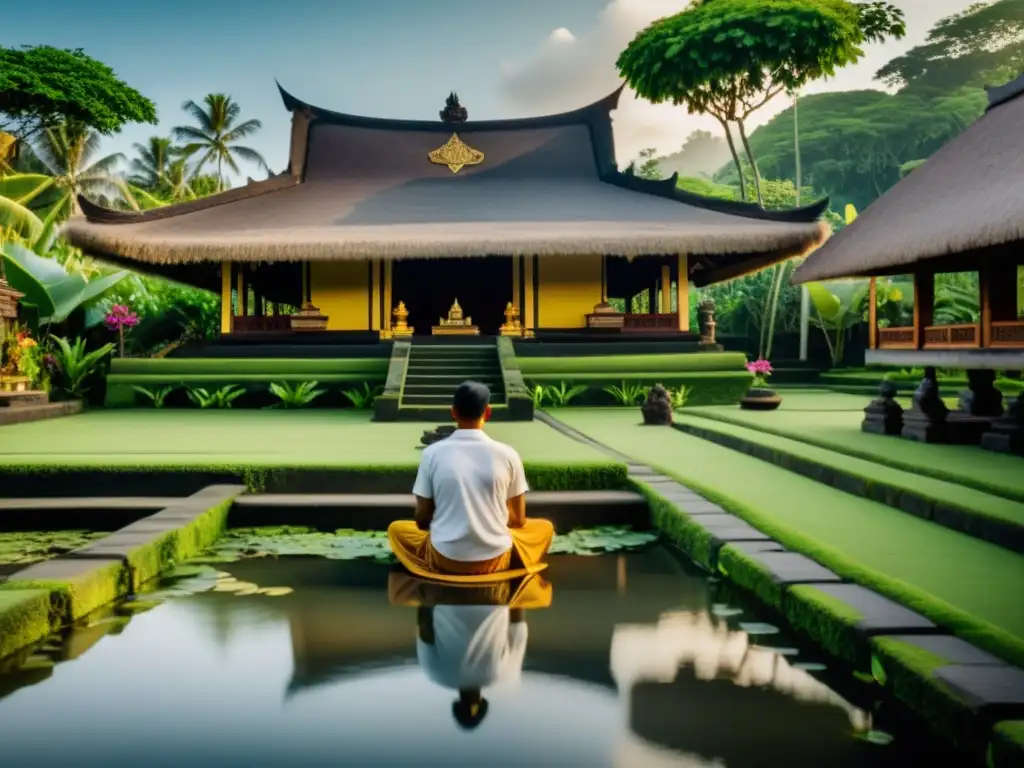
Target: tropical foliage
[214, 137]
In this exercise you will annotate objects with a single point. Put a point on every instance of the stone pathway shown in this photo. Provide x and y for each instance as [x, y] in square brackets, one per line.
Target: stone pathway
[985, 683]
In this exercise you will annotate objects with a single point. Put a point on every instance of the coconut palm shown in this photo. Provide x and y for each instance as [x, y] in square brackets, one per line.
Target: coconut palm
[215, 135]
[66, 152]
[151, 165]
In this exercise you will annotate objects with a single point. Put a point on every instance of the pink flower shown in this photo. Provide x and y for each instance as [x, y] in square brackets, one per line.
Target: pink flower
[119, 317]
[760, 367]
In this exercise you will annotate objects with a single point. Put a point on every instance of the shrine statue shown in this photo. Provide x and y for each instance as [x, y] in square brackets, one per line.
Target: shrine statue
[455, 323]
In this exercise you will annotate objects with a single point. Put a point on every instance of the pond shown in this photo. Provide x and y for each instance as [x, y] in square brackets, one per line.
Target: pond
[297, 660]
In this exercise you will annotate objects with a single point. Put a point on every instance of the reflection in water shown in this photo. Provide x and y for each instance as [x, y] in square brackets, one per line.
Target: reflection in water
[362, 666]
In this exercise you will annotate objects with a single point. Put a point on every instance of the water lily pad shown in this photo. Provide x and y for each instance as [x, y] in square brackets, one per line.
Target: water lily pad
[810, 666]
[758, 628]
[252, 589]
[137, 606]
[27, 547]
[229, 586]
[276, 591]
[606, 538]
[881, 738]
[780, 651]
[724, 611]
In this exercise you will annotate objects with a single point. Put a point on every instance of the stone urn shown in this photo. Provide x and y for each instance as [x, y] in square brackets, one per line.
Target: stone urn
[657, 408]
[760, 399]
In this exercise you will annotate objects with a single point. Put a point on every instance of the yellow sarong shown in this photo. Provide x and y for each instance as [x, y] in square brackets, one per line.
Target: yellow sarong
[529, 545]
[529, 592]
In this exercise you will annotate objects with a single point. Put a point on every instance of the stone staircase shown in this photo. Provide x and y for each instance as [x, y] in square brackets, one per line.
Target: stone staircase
[435, 370]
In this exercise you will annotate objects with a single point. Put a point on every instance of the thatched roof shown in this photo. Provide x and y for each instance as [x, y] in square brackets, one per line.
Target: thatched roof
[363, 188]
[968, 198]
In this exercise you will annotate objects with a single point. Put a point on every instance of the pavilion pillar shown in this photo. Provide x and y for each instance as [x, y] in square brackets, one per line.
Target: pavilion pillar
[924, 304]
[529, 318]
[376, 295]
[683, 292]
[243, 292]
[666, 289]
[997, 283]
[873, 314]
[226, 311]
[516, 284]
[386, 296]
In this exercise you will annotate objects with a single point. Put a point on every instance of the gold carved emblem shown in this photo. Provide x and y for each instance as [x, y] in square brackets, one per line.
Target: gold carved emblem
[455, 153]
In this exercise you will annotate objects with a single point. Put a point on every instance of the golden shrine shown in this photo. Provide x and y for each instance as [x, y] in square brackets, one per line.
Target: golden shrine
[455, 324]
[401, 327]
[512, 326]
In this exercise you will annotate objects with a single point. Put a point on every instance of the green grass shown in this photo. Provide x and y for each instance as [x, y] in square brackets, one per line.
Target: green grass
[243, 366]
[297, 438]
[24, 618]
[1007, 747]
[616, 365]
[934, 491]
[832, 421]
[943, 574]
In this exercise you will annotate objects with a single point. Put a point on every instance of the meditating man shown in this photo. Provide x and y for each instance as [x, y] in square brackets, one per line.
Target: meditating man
[470, 503]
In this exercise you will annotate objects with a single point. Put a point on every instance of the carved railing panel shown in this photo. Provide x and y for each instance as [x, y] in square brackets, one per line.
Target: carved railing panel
[663, 323]
[952, 336]
[895, 338]
[254, 324]
[1007, 334]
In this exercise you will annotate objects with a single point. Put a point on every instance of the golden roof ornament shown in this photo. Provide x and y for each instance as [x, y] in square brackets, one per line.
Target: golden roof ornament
[455, 153]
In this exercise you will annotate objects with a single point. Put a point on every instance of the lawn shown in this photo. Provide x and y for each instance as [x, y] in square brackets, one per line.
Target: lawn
[946, 574]
[831, 420]
[322, 438]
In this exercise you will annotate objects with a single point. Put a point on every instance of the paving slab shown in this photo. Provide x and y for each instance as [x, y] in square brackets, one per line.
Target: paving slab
[880, 615]
[727, 528]
[984, 687]
[794, 568]
[953, 649]
[699, 507]
[62, 569]
[96, 502]
[757, 547]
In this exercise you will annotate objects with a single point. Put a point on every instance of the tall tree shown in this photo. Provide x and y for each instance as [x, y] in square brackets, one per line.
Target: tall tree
[216, 133]
[67, 152]
[702, 154]
[42, 87]
[151, 165]
[728, 58]
[981, 45]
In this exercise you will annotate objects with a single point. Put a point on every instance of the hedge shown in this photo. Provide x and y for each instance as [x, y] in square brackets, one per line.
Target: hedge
[706, 387]
[651, 365]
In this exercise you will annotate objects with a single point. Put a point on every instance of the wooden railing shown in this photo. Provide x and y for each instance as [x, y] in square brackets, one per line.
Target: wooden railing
[952, 336]
[896, 338]
[254, 324]
[1007, 334]
[663, 323]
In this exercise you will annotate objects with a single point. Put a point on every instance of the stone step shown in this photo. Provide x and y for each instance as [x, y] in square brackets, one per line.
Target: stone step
[437, 414]
[459, 365]
[443, 399]
[99, 513]
[23, 399]
[25, 413]
[451, 380]
[566, 509]
[438, 389]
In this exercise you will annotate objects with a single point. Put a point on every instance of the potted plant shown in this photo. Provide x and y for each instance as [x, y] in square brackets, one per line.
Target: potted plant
[759, 397]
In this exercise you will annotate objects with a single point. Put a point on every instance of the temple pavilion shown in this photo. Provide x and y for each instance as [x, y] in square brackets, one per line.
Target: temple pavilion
[392, 227]
[961, 211]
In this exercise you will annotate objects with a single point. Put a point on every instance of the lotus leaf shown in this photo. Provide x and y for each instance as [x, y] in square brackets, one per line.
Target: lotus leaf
[758, 628]
[25, 548]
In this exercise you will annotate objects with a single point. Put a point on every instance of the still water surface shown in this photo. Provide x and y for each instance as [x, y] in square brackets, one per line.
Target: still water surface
[633, 664]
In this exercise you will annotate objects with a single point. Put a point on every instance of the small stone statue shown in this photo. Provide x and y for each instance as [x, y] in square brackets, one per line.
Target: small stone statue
[453, 112]
[926, 419]
[707, 322]
[657, 409]
[981, 398]
[1007, 433]
[884, 416]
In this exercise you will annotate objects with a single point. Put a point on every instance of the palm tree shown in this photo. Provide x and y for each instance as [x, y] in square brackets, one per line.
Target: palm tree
[217, 133]
[66, 151]
[150, 167]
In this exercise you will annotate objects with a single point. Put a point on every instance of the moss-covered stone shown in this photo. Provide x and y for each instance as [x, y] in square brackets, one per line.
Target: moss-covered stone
[746, 572]
[1006, 748]
[24, 618]
[909, 677]
[827, 621]
[678, 527]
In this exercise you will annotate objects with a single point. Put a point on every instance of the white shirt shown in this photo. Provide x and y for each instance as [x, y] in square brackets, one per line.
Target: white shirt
[470, 477]
[474, 646]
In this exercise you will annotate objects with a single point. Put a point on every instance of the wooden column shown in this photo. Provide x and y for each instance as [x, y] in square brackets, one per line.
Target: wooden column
[243, 292]
[386, 291]
[997, 287]
[304, 269]
[528, 318]
[924, 304]
[375, 294]
[226, 312]
[516, 284]
[873, 314]
[666, 289]
[683, 292]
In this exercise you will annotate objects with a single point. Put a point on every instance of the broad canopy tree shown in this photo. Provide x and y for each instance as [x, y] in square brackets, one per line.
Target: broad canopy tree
[728, 58]
[42, 87]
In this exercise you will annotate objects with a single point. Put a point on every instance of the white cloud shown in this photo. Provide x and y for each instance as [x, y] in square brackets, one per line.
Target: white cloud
[567, 71]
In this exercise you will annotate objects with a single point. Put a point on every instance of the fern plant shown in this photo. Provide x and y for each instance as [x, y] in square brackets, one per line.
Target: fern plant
[630, 393]
[563, 394]
[362, 399]
[678, 396]
[221, 398]
[157, 396]
[291, 396]
[76, 365]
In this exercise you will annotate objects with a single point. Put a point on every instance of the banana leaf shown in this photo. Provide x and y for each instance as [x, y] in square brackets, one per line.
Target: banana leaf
[24, 187]
[17, 218]
[839, 301]
[48, 287]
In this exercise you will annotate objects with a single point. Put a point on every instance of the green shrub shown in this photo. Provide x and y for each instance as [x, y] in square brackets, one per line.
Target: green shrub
[221, 398]
[156, 397]
[290, 396]
[628, 393]
[363, 398]
[76, 365]
[563, 394]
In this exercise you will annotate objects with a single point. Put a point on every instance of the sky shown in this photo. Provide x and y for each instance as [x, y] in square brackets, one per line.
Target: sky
[391, 58]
